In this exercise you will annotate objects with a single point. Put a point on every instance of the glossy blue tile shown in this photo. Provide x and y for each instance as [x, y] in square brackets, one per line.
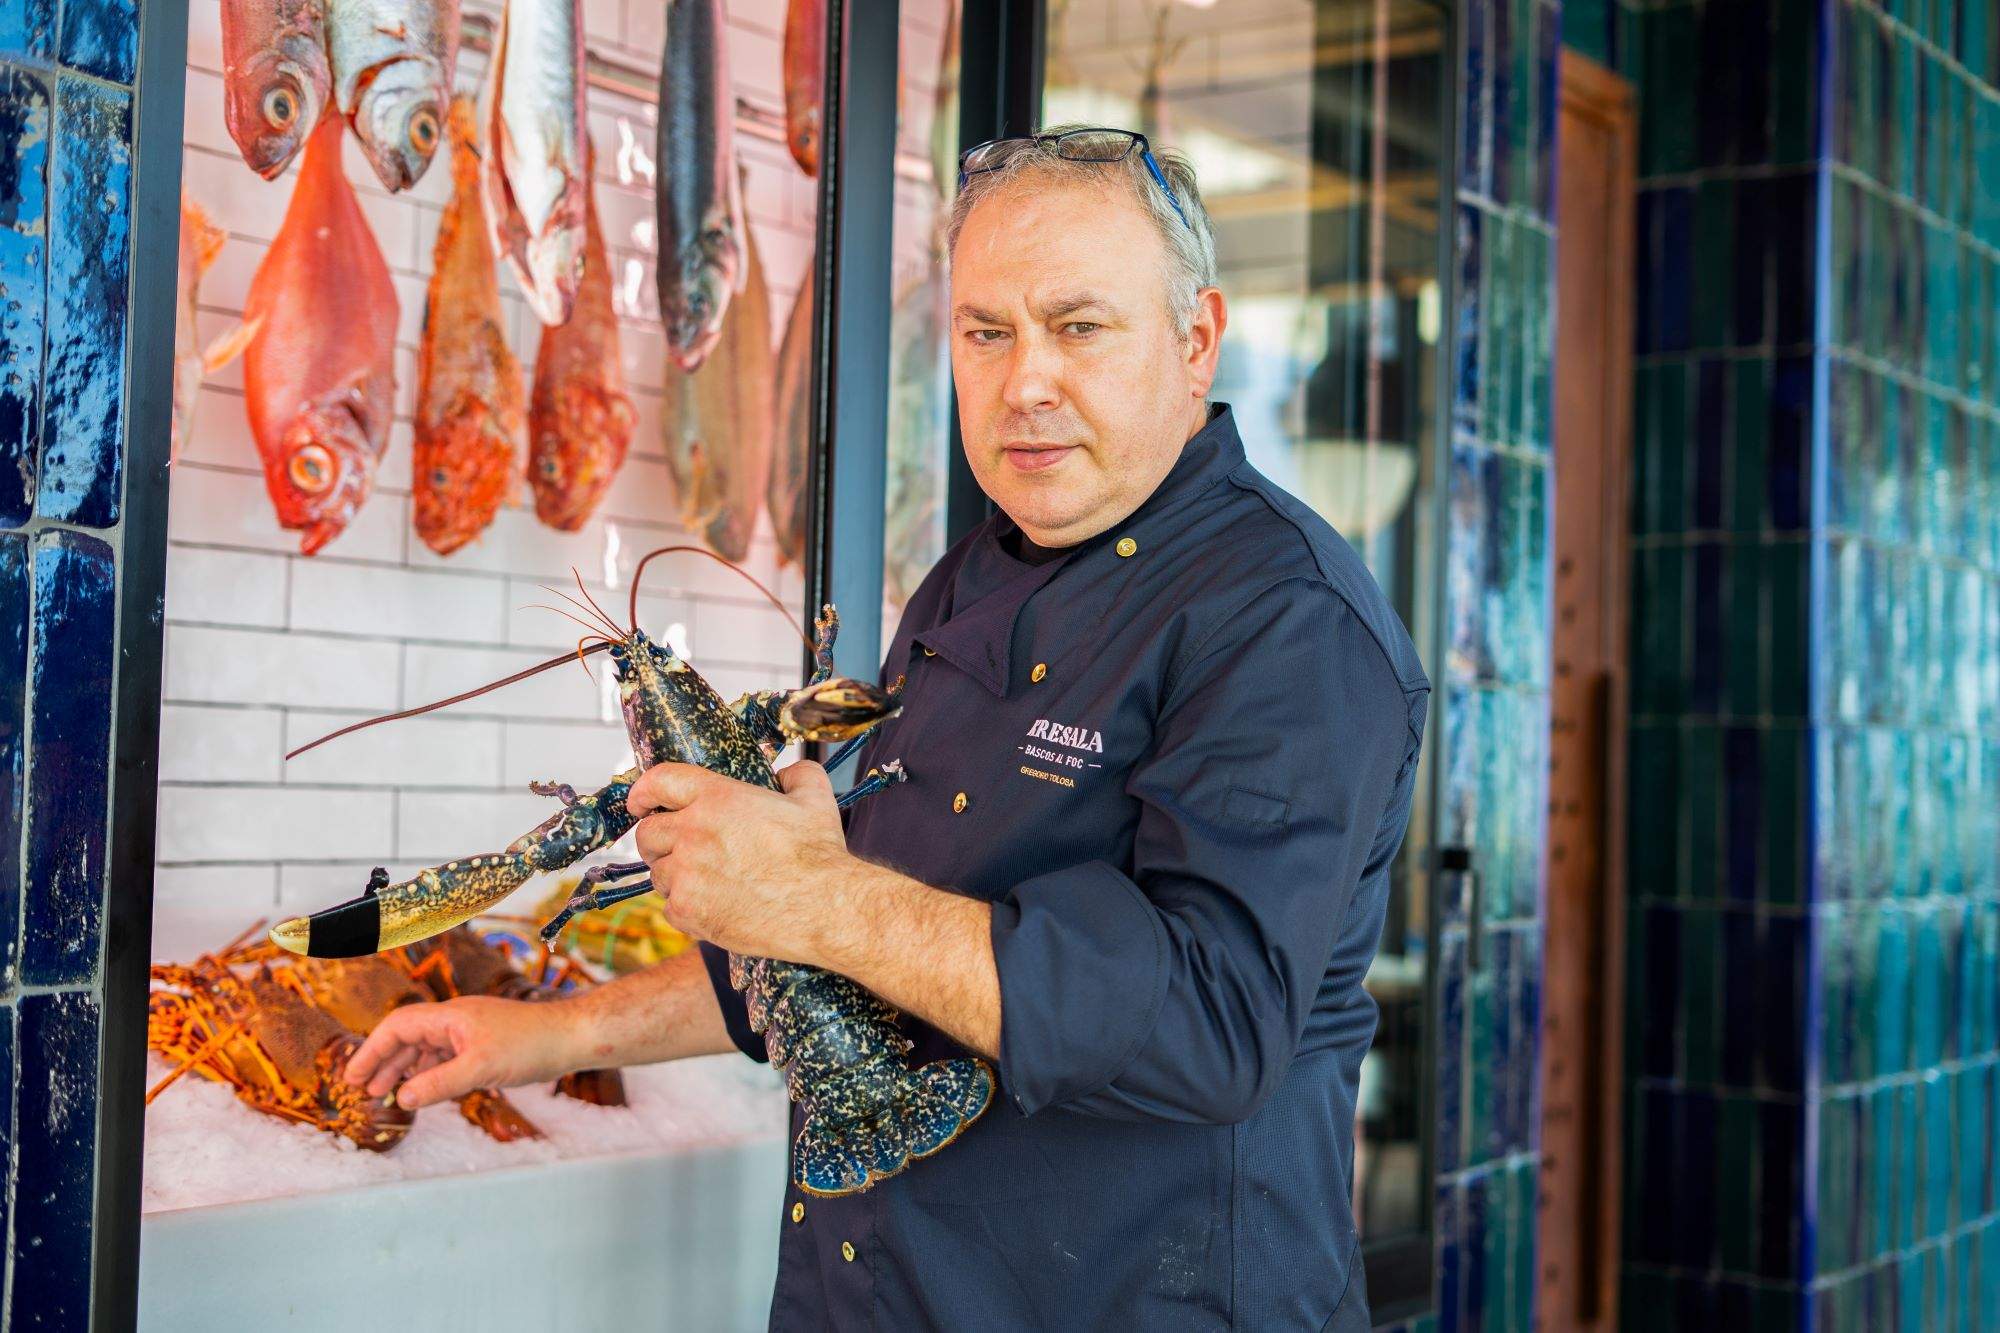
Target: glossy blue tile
[1505, 97]
[28, 30]
[1788, 450]
[1474, 114]
[1660, 957]
[1711, 437]
[24, 168]
[69, 765]
[1448, 1123]
[1751, 250]
[101, 37]
[1469, 298]
[55, 1180]
[1672, 276]
[1782, 1221]
[1448, 1226]
[15, 611]
[83, 448]
[1477, 1208]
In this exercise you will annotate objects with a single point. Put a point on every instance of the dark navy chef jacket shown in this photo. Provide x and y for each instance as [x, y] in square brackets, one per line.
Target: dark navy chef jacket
[1178, 760]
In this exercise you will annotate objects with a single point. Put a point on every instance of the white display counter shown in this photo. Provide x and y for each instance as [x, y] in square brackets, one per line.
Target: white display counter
[680, 1232]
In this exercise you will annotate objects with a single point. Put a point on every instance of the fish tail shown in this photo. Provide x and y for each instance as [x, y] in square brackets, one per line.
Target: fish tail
[926, 1109]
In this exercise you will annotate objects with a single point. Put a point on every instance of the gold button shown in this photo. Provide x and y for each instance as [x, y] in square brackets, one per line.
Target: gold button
[929, 651]
[847, 1250]
[958, 804]
[1126, 546]
[1041, 669]
[798, 1212]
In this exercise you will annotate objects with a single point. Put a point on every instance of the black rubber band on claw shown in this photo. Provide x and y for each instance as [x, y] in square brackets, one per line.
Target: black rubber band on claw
[351, 930]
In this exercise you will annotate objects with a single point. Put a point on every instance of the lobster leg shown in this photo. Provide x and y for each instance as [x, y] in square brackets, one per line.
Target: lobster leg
[877, 779]
[626, 881]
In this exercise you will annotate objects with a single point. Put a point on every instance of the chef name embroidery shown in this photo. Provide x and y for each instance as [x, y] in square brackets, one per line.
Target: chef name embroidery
[1083, 740]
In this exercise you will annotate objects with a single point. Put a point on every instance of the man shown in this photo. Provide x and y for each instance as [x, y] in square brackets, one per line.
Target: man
[1162, 731]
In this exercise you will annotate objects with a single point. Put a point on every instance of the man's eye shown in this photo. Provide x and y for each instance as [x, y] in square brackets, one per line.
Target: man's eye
[1081, 326]
[987, 335]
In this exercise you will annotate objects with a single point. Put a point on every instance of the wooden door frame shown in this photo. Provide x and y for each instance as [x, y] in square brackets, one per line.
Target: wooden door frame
[1594, 93]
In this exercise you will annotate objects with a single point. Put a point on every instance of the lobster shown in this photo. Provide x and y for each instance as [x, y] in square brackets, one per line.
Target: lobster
[866, 1113]
[458, 963]
[263, 1037]
[358, 993]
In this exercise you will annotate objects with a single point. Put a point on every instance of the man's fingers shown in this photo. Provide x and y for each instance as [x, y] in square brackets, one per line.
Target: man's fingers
[438, 1084]
[669, 787]
[393, 1070]
[654, 837]
[803, 777]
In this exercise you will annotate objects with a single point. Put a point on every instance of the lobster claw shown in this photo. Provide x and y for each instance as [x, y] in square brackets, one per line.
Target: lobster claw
[834, 710]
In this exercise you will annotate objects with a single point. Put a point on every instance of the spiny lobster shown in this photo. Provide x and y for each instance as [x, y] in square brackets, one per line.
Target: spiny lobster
[866, 1114]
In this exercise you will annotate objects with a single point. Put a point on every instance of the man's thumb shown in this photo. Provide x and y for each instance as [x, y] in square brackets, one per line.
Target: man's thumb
[805, 776]
[427, 1088]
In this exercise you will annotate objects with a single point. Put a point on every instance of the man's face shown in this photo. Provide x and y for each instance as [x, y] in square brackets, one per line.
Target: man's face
[1075, 391]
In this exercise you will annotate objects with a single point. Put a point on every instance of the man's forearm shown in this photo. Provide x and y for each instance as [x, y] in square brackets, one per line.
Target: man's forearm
[664, 1012]
[926, 951]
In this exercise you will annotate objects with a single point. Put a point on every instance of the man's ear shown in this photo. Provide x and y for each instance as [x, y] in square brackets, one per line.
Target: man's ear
[1204, 340]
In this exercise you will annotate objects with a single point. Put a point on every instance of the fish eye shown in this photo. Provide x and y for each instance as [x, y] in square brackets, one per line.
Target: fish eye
[439, 476]
[311, 469]
[551, 468]
[280, 108]
[424, 130]
[714, 236]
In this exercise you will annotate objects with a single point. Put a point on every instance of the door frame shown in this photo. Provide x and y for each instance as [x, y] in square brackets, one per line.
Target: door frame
[1595, 93]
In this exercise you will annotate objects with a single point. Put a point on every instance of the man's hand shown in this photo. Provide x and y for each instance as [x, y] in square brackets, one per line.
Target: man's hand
[439, 1052]
[768, 874]
[748, 869]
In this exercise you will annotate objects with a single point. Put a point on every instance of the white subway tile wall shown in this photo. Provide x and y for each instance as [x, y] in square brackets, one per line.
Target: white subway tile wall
[267, 649]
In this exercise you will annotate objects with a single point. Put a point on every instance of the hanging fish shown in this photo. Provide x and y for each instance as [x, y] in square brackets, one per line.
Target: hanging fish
[275, 80]
[201, 242]
[580, 421]
[470, 400]
[700, 200]
[717, 422]
[536, 179]
[791, 447]
[805, 79]
[392, 71]
[318, 368]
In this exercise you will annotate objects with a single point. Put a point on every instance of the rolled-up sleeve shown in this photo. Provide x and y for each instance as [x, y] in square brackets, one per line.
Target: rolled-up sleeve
[735, 1013]
[1180, 991]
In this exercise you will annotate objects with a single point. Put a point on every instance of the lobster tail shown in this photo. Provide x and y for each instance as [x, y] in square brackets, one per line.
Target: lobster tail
[926, 1109]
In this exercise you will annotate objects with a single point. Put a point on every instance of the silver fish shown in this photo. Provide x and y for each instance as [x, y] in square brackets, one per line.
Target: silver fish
[699, 199]
[537, 173]
[392, 69]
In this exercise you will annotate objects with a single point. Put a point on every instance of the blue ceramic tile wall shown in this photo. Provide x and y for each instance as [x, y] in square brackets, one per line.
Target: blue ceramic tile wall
[65, 204]
[1813, 1043]
[1496, 668]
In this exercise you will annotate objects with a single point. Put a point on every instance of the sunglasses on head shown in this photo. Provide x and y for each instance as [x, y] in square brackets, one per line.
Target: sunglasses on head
[1085, 145]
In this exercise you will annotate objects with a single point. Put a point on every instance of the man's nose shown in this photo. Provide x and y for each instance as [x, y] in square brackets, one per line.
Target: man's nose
[1034, 376]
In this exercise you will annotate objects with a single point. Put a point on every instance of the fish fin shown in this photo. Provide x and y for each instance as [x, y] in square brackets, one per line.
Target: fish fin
[230, 345]
[208, 237]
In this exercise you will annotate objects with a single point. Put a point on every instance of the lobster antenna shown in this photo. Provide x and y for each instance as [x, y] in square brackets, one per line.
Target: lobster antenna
[592, 610]
[769, 596]
[595, 607]
[523, 674]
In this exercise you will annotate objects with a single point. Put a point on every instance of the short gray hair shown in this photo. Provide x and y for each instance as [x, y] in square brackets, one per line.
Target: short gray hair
[1190, 245]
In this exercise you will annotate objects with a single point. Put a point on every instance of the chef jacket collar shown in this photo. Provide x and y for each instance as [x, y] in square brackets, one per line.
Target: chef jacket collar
[978, 639]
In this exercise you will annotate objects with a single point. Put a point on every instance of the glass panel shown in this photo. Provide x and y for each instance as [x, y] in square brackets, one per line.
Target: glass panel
[1316, 130]
[920, 402]
[267, 647]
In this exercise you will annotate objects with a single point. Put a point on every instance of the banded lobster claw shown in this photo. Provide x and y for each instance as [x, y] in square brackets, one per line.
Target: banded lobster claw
[834, 710]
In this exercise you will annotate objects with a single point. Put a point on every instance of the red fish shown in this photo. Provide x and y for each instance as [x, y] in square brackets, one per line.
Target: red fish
[318, 371]
[580, 420]
[805, 79]
[275, 78]
[471, 404]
